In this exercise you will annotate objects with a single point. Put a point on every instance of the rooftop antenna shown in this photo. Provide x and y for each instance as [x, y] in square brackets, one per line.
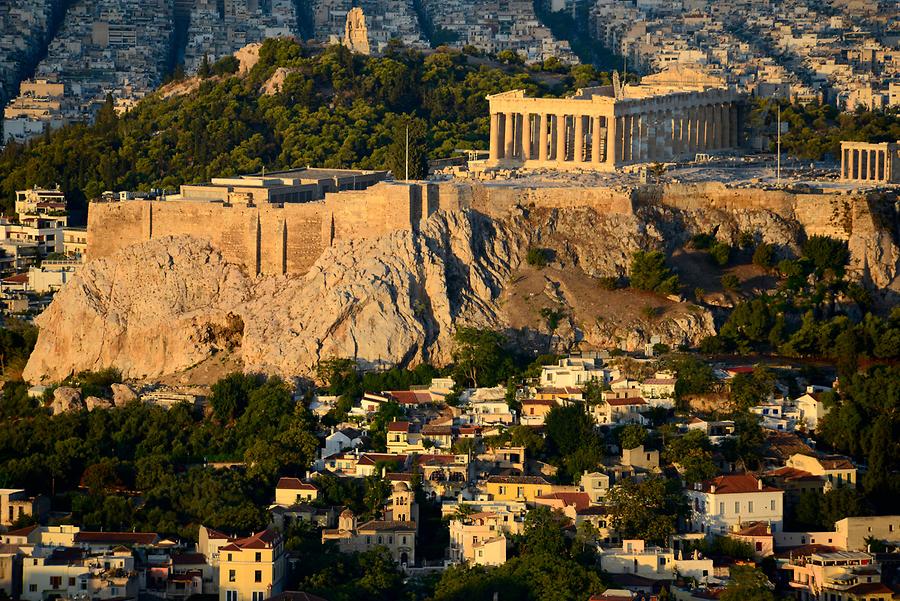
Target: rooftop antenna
[407, 152]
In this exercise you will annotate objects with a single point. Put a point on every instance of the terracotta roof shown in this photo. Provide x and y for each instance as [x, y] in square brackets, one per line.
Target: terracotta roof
[430, 430]
[517, 480]
[668, 381]
[264, 539]
[215, 534]
[836, 462]
[122, 538]
[19, 278]
[870, 588]
[634, 400]
[805, 550]
[560, 390]
[399, 476]
[436, 459]
[755, 529]
[294, 484]
[580, 500]
[398, 427]
[22, 531]
[791, 474]
[409, 397]
[373, 458]
[593, 510]
[544, 402]
[731, 484]
[386, 525]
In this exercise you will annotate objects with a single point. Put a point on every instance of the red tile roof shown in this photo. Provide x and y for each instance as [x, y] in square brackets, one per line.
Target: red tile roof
[261, 540]
[870, 588]
[121, 538]
[731, 484]
[409, 397]
[294, 484]
[19, 278]
[635, 400]
[22, 531]
[398, 427]
[579, 500]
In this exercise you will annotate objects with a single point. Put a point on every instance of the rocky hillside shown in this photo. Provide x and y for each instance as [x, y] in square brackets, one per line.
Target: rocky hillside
[161, 308]
[164, 306]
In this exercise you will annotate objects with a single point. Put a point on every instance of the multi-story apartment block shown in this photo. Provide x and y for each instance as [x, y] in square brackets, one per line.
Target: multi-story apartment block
[252, 568]
[719, 504]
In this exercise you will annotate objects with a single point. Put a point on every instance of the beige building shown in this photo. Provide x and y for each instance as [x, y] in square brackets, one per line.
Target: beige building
[670, 116]
[837, 470]
[15, 504]
[856, 530]
[396, 533]
[480, 538]
[296, 185]
[870, 162]
[252, 568]
[290, 491]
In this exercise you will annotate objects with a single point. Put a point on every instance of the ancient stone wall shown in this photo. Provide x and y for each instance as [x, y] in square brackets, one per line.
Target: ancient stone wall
[272, 239]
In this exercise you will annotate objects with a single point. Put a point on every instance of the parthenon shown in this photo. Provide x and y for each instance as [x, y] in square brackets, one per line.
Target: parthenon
[870, 162]
[668, 116]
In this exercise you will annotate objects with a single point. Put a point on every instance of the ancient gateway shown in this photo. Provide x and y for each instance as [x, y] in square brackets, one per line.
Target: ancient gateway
[669, 116]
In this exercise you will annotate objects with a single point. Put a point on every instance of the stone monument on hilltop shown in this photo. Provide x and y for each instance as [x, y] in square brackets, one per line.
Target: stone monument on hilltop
[356, 35]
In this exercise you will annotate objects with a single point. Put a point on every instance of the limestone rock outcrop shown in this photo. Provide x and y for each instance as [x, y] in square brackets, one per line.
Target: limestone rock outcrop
[122, 394]
[65, 399]
[162, 306]
[154, 309]
[95, 402]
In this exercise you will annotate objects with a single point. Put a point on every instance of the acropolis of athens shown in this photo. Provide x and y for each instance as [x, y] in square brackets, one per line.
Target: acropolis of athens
[669, 116]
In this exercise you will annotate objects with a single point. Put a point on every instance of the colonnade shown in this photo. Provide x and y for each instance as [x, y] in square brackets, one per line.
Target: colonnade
[867, 162]
[611, 139]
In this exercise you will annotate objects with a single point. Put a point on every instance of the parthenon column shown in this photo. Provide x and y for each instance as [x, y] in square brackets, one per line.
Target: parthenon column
[495, 136]
[723, 125]
[733, 127]
[508, 127]
[542, 138]
[578, 146]
[851, 157]
[873, 155]
[621, 137]
[527, 145]
[598, 140]
[561, 135]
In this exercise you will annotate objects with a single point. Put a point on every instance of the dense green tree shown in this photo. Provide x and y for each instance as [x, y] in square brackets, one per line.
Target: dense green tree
[747, 583]
[647, 510]
[230, 395]
[826, 253]
[632, 436]
[478, 357]
[649, 272]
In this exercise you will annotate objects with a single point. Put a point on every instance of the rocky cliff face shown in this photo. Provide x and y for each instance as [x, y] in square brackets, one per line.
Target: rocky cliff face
[163, 306]
[160, 307]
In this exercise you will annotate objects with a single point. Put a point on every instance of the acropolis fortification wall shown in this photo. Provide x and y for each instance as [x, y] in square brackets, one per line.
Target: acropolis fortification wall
[274, 239]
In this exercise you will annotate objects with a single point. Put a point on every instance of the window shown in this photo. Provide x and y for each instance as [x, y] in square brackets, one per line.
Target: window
[772, 504]
[71, 582]
[749, 506]
[257, 576]
[403, 539]
[229, 557]
[231, 576]
[737, 506]
[721, 508]
[258, 596]
[32, 588]
[231, 596]
[55, 582]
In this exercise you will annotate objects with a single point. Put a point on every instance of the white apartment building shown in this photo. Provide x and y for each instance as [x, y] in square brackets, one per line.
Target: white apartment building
[71, 573]
[656, 563]
[574, 371]
[719, 504]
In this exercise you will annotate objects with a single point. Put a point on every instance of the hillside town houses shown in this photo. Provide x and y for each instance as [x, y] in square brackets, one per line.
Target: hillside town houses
[459, 457]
